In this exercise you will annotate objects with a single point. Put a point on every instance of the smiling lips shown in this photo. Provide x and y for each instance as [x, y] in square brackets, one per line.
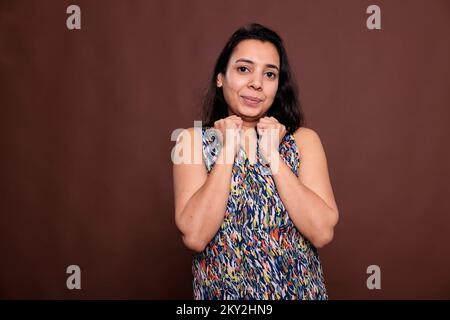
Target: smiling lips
[250, 101]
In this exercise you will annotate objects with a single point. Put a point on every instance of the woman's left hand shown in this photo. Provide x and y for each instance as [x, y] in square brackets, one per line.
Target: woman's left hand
[271, 132]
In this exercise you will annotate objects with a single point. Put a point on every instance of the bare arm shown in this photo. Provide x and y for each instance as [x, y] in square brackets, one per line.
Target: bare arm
[309, 198]
[200, 199]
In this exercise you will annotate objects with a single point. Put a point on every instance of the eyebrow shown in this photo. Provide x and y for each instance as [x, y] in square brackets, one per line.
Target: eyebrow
[251, 62]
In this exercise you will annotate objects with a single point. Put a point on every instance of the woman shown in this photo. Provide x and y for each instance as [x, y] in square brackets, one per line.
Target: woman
[259, 202]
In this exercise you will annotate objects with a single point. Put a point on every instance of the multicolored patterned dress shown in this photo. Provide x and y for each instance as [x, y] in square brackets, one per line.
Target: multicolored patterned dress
[257, 253]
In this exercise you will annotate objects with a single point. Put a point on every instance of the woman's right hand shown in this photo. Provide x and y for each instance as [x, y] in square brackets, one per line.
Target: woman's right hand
[230, 129]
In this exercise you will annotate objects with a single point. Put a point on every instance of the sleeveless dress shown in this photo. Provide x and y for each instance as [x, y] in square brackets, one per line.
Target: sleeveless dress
[258, 253]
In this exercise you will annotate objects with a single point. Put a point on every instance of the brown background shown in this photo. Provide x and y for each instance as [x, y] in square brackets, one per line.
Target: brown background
[86, 119]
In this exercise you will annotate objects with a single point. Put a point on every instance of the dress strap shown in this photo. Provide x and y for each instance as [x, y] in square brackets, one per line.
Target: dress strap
[211, 146]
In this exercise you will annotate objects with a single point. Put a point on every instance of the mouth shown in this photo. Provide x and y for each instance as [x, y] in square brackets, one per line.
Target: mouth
[250, 101]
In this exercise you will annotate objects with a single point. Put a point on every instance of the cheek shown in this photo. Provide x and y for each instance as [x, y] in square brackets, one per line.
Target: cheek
[232, 93]
[272, 90]
[237, 83]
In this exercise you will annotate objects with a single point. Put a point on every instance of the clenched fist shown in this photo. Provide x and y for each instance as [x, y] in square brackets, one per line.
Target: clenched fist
[229, 131]
[270, 132]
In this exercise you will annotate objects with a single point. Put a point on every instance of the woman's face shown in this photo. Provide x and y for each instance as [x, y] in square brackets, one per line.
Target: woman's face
[250, 82]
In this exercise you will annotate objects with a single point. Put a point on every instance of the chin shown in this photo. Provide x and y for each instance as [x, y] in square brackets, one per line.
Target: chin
[245, 111]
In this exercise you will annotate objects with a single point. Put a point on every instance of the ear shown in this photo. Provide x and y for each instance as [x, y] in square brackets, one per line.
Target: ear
[219, 80]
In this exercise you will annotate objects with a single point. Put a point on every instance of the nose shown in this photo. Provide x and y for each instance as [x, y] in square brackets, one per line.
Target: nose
[256, 82]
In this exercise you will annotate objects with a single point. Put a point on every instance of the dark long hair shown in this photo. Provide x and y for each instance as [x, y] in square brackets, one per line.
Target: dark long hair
[285, 108]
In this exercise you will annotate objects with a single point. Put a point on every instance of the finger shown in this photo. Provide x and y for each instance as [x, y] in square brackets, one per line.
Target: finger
[238, 123]
[260, 131]
[234, 118]
[266, 125]
[261, 125]
[263, 128]
[232, 122]
[266, 120]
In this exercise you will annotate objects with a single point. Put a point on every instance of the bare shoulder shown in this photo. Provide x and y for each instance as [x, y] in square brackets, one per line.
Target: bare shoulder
[307, 138]
[189, 132]
[189, 136]
[189, 146]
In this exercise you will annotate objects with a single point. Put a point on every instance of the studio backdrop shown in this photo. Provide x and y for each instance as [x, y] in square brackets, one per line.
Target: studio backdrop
[91, 92]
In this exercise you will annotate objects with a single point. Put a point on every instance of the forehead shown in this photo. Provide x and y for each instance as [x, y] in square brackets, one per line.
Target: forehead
[257, 51]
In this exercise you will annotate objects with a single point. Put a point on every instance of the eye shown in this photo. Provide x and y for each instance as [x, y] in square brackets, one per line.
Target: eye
[271, 75]
[242, 68]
